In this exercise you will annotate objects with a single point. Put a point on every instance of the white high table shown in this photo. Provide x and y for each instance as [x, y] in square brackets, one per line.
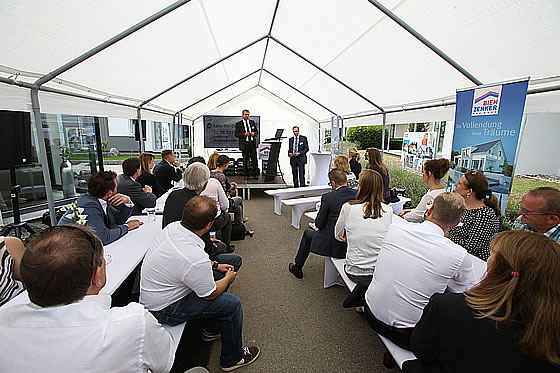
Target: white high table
[321, 163]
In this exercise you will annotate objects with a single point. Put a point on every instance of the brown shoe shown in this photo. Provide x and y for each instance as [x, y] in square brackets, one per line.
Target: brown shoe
[250, 354]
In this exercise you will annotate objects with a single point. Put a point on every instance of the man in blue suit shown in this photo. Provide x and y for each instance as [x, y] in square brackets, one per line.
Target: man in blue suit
[297, 152]
[106, 210]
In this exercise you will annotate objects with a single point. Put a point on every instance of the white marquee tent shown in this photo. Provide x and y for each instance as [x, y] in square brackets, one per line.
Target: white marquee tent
[376, 60]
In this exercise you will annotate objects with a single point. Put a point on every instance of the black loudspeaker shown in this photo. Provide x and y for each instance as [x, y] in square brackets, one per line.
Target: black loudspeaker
[15, 139]
[137, 130]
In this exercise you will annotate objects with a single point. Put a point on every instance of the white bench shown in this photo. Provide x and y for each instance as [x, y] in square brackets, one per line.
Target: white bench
[396, 206]
[335, 275]
[299, 206]
[281, 194]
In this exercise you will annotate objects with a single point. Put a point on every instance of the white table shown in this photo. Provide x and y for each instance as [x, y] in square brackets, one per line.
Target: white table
[126, 253]
[321, 163]
[281, 194]
[299, 206]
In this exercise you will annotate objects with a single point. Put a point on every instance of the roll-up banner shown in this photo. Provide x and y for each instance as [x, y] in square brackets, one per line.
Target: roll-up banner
[487, 127]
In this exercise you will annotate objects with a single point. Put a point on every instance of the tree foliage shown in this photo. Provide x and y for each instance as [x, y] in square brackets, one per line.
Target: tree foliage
[367, 136]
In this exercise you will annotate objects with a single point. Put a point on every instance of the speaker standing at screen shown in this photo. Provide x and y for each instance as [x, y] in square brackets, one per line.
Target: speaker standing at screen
[297, 152]
[246, 131]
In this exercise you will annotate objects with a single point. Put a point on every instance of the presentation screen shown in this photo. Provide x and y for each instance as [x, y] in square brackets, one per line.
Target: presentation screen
[219, 130]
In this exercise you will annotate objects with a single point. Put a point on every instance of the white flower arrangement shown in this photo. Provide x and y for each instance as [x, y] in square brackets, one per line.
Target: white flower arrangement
[77, 216]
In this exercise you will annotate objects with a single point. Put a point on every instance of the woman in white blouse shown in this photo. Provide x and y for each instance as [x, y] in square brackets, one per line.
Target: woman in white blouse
[434, 171]
[363, 224]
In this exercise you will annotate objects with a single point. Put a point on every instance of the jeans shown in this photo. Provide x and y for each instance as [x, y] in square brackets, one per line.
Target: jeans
[226, 310]
[225, 258]
[237, 209]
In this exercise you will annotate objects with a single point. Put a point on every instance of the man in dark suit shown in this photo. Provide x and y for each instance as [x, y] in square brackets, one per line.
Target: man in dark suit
[297, 152]
[105, 210]
[127, 184]
[246, 131]
[322, 241]
[167, 170]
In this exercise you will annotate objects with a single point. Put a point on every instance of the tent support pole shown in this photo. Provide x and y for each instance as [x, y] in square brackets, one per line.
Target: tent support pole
[329, 74]
[67, 66]
[268, 39]
[140, 129]
[43, 152]
[425, 41]
[383, 136]
[301, 93]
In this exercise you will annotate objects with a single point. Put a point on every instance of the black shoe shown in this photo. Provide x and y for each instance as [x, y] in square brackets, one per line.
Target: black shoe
[231, 249]
[296, 271]
[249, 233]
[388, 360]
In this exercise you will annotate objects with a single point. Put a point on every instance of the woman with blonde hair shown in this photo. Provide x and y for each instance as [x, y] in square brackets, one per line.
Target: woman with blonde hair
[480, 221]
[147, 177]
[354, 160]
[341, 163]
[510, 322]
[212, 161]
[434, 170]
[375, 162]
[363, 224]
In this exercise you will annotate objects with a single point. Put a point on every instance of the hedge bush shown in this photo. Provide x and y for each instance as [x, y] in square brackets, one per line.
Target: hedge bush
[367, 136]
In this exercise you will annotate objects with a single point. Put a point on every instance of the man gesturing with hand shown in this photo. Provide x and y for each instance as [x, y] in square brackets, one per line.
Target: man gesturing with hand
[179, 282]
[105, 210]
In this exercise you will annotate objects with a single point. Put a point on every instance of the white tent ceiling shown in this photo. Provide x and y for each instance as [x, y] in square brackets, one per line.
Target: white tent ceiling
[323, 57]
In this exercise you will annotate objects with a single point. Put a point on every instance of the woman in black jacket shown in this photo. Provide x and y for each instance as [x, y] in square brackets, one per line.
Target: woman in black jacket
[146, 177]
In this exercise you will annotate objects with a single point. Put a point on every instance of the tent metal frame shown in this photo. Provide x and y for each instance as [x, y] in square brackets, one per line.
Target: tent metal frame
[38, 84]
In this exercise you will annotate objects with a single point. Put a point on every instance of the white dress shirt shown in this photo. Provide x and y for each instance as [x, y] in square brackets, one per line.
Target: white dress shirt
[86, 336]
[415, 262]
[174, 266]
[364, 236]
[215, 191]
[417, 214]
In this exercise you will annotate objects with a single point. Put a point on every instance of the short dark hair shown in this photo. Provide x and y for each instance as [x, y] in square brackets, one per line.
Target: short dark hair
[198, 212]
[59, 263]
[245, 110]
[294, 127]
[338, 176]
[100, 183]
[130, 166]
[222, 160]
[551, 196]
[166, 153]
[196, 159]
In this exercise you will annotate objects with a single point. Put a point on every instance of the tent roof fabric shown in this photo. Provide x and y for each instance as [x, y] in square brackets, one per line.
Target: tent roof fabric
[329, 57]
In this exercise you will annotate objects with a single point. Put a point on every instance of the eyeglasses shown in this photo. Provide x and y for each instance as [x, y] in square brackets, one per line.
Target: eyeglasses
[524, 211]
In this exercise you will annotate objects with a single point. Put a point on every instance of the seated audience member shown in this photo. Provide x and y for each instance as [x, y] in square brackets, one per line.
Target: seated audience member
[178, 285]
[195, 179]
[167, 170]
[222, 223]
[341, 163]
[354, 160]
[147, 177]
[480, 221]
[213, 161]
[11, 250]
[511, 316]
[69, 326]
[363, 224]
[127, 184]
[434, 170]
[375, 162]
[236, 204]
[415, 262]
[106, 210]
[323, 241]
[540, 212]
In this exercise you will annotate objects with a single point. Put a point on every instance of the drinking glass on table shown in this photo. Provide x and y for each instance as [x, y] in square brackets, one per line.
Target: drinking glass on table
[151, 213]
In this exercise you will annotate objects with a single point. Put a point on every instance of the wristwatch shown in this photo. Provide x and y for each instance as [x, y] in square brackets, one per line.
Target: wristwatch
[215, 265]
